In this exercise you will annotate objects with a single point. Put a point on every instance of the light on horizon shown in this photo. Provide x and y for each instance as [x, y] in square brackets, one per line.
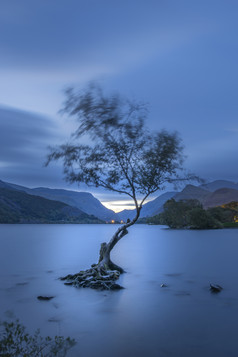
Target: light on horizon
[120, 205]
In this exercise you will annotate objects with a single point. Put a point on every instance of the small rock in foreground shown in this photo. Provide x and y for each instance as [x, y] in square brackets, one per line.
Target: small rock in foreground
[46, 298]
[215, 288]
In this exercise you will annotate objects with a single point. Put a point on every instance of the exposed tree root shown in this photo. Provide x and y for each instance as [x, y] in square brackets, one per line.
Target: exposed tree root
[103, 275]
[97, 277]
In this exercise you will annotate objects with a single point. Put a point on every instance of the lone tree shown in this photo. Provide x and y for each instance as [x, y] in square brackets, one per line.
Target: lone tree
[113, 149]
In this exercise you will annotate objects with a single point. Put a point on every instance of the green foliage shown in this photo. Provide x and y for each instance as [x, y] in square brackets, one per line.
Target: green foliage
[230, 225]
[176, 214]
[157, 219]
[224, 215]
[186, 214]
[232, 205]
[16, 342]
[201, 219]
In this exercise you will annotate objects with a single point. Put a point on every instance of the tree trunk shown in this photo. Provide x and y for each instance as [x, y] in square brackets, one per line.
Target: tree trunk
[105, 259]
[106, 248]
[104, 274]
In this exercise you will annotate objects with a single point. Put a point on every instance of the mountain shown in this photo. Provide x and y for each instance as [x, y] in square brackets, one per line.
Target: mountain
[220, 197]
[84, 201]
[125, 214]
[20, 207]
[216, 185]
[149, 209]
[5, 185]
[209, 198]
[203, 193]
[192, 192]
[207, 194]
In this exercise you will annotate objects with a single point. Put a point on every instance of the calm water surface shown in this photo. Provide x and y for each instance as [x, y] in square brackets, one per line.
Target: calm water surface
[183, 319]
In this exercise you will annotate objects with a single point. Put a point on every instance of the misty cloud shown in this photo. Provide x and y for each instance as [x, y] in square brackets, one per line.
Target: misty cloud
[24, 138]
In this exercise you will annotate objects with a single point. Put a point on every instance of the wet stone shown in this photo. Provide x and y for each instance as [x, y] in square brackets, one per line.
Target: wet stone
[45, 298]
[215, 288]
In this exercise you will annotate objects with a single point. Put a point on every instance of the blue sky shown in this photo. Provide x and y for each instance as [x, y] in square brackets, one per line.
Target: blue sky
[179, 56]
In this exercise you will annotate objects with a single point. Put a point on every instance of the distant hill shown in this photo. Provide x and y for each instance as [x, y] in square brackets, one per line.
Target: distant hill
[20, 207]
[192, 192]
[125, 214]
[209, 198]
[216, 185]
[6, 185]
[210, 195]
[149, 209]
[220, 197]
[84, 201]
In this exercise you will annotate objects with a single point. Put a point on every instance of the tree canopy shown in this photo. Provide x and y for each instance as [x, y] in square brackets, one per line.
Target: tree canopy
[113, 149]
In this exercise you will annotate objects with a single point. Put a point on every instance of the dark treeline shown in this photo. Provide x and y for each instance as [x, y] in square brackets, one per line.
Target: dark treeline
[191, 214]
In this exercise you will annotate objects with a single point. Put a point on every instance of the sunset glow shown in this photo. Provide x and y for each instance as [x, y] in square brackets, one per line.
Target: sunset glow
[120, 205]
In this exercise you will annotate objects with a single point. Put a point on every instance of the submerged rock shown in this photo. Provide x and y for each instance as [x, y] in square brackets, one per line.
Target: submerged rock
[215, 288]
[46, 298]
[116, 287]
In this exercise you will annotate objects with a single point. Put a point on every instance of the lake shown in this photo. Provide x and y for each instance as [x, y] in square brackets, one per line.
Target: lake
[183, 319]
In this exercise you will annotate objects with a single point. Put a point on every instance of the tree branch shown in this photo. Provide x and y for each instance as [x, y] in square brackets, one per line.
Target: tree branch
[108, 187]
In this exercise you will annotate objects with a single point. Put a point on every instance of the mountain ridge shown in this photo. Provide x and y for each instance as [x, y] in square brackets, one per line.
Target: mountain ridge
[209, 195]
[84, 201]
[149, 209]
[217, 184]
[19, 207]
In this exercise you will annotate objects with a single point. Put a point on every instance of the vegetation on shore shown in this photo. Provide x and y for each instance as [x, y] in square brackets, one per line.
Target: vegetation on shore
[191, 214]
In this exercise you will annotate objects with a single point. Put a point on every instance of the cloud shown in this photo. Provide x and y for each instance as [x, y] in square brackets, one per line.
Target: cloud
[215, 158]
[179, 56]
[24, 138]
[45, 47]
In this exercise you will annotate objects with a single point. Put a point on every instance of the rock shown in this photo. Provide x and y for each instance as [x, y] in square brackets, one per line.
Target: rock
[45, 298]
[116, 287]
[22, 284]
[215, 288]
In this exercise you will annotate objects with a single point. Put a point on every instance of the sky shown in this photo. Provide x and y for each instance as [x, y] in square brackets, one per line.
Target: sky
[178, 56]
